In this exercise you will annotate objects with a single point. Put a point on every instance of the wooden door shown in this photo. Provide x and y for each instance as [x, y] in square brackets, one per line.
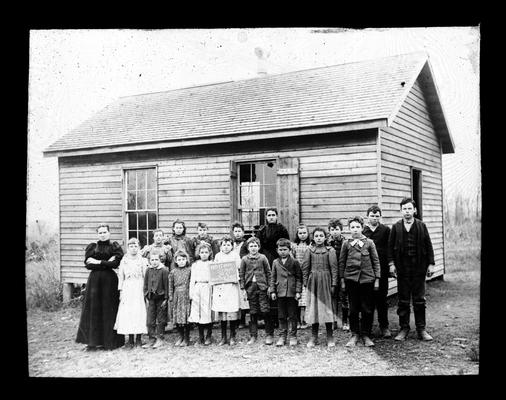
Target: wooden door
[287, 195]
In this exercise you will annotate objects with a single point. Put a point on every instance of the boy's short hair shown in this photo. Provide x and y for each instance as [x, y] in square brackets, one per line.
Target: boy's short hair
[178, 221]
[157, 230]
[253, 239]
[226, 238]
[271, 209]
[202, 225]
[200, 246]
[283, 242]
[154, 254]
[356, 218]
[319, 229]
[133, 240]
[406, 200]
[373, 209]
[335, 223]
[237, 224]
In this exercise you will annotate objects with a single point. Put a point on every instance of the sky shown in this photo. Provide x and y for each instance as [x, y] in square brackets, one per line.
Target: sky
[75, 73]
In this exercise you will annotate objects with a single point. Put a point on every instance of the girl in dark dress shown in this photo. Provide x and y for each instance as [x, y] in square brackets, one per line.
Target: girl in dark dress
[101, 298]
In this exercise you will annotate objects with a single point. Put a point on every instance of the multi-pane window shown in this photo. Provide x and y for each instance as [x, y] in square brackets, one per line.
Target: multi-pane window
[141, 204]
[257, 191]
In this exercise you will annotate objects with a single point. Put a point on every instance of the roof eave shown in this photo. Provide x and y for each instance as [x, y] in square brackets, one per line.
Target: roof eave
[350, 126]
[434, 98]
[425, 71]
[407, 88]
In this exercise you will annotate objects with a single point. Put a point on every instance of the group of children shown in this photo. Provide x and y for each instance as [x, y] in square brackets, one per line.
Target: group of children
[169, 280]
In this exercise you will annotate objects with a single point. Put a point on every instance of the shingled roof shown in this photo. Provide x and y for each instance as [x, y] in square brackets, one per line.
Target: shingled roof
[336, 96]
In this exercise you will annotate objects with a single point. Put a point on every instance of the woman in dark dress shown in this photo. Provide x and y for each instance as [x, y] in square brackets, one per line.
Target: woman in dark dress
[270, 233]
[101, 298]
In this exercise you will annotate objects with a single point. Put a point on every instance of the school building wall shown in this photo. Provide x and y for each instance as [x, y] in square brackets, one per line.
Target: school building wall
[338, 177]
[411, 142]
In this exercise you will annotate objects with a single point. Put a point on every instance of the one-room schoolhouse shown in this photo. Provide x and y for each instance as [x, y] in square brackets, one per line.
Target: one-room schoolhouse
[317, 144]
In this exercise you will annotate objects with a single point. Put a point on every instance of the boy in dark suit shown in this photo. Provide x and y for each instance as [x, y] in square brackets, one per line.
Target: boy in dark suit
[156, 292]
[255, 275]
[379, 234]
[286, 287]
[411, 258]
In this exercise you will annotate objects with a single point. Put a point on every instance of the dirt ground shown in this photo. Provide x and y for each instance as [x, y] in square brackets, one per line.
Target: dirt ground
[452, 318]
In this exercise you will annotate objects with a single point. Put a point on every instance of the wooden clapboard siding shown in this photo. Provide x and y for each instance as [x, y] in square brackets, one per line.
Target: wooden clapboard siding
[411, 142]
[338, 187]
[337, 177]
[87, 198]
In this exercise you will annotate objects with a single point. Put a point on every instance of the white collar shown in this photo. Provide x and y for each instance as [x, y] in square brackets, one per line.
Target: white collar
[355, 241]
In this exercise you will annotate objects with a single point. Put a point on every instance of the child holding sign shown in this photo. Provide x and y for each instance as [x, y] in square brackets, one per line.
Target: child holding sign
[225, 298]
[201, 293]
[241, 249]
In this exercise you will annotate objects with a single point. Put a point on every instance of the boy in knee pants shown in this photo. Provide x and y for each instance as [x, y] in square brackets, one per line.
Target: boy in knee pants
[286, 287]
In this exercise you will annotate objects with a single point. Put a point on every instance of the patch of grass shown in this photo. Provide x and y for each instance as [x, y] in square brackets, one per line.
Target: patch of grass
[463, 232]
[41, 248]
[463, 250]
[42, 279]
[474, 353]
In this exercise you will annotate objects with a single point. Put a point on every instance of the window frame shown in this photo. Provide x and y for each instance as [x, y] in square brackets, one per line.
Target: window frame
[419, 189]
[124, 192]
[238, 206]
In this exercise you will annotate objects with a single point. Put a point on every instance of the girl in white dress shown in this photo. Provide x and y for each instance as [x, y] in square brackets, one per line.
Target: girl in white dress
[201, 293]
[131, 317]
[226, 296]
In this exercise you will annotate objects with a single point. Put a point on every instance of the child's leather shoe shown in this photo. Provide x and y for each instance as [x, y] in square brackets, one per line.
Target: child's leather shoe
[367, 341]
[149, 344]
[353, 341]
[402, 335]
[423, 335]
[385, 333]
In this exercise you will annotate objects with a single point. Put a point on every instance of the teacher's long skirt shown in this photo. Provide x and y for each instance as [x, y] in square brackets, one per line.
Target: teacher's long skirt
[100, 306]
